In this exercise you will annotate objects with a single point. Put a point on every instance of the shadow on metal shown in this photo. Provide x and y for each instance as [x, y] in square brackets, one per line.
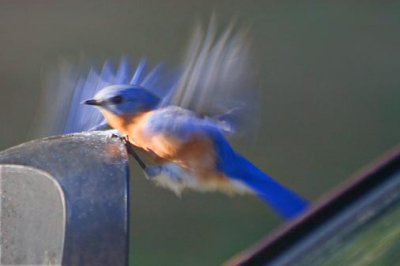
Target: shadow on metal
[65, 199]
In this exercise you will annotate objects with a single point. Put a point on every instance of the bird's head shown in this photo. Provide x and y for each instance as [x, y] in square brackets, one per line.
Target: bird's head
[124, 99]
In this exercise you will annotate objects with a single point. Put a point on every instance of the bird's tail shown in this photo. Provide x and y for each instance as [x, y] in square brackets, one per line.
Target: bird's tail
[285, 202]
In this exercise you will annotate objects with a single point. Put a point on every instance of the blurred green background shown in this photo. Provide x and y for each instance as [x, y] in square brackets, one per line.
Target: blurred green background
[330, 79]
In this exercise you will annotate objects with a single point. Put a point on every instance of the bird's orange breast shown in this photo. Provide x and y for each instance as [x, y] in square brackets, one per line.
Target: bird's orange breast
[196, 155]
[129, 125]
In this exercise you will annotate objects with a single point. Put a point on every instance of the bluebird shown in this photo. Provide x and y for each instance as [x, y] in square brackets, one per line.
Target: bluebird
[182, 120]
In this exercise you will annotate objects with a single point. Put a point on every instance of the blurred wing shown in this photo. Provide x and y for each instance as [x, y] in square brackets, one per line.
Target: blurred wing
[69, 85]
[178, 123]
[216, 79]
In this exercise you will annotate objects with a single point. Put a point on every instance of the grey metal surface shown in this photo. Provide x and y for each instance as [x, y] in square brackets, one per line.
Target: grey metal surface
[92, 171]
[32, 217]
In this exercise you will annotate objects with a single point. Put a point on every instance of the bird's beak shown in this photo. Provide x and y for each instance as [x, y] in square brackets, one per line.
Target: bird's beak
[92, 102]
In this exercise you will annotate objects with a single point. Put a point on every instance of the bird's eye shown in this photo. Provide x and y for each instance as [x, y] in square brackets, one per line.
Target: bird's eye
[116, 99]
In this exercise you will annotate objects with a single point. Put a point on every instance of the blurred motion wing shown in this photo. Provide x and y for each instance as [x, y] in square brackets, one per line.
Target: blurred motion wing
[70, 84]
[216, 81]
[216, 78]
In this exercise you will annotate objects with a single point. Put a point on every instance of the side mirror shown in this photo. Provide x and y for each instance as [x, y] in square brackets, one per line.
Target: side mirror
[64, 200]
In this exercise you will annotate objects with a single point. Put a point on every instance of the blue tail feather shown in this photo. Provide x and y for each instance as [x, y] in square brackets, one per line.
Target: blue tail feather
[282, 200]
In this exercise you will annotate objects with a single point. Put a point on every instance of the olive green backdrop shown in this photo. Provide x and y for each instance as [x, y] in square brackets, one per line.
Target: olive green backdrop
[330, 79]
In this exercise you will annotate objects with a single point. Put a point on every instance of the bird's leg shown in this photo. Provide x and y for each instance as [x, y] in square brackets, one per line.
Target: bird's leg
[130, 148]
[132, 152]
[150, 171]
[166, 174]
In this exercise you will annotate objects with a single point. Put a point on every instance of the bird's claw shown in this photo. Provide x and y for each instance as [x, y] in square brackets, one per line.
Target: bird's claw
[112, 134]
[124, 139]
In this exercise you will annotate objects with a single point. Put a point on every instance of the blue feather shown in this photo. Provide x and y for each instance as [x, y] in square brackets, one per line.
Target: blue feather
[183, 124]
[136, 79]
[71, 84]
[284, 201]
